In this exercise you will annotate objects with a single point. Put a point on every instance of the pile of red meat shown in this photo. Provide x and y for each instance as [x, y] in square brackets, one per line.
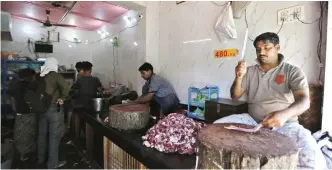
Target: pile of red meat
[174, 133]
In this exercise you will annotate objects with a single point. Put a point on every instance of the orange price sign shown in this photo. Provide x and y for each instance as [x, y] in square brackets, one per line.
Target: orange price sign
[226, 53]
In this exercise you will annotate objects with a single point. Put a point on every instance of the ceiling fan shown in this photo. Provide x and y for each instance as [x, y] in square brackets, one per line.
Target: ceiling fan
[48, 23]
[59, 4]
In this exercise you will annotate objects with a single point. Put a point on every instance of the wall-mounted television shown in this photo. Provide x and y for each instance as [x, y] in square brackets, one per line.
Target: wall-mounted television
[43, 48]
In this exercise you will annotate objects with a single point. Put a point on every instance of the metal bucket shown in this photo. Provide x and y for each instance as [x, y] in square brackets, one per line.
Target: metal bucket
[99, 104]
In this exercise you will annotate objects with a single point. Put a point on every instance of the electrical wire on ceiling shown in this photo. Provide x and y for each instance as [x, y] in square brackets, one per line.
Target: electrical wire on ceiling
[220, 4]
[245, 18]
[76, 42]
[117, 33]
[137, 22]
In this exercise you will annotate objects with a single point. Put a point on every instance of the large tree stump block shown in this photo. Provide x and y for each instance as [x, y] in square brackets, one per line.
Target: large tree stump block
[230, 149]
[129, 117]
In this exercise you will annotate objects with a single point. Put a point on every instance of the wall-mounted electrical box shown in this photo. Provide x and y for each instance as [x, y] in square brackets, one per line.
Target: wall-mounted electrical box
[290, 14]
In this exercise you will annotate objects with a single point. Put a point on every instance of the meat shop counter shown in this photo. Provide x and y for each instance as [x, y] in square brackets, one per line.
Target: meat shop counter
[125, 149]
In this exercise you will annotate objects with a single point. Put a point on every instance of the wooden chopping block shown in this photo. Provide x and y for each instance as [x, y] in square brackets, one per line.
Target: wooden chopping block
[129, 117]
[229, 149]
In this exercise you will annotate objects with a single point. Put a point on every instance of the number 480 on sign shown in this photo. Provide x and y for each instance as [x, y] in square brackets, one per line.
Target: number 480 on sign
[226, 53]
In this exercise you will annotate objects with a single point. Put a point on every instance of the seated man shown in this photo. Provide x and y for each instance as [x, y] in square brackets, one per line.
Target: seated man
[157, 89]
[277, 94]
[86, 87]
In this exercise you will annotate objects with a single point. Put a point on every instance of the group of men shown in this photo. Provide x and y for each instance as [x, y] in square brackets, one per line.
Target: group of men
[277, 94]
[49, 124]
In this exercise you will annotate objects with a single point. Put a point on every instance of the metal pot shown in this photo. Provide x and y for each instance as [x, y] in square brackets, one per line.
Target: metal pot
[100, 104]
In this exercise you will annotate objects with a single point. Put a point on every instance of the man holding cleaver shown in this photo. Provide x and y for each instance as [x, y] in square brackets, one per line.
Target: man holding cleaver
[277, 93]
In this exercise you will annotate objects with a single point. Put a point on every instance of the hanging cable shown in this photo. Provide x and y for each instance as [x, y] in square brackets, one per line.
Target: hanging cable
[319, 44]
[114, 74]
[31, 45]
[306, 22]
[76, 42]
[104, 37]
[114, 79]
[116, 33]
[25, 45]
[282, 24]
[245, 18]
[117, 55]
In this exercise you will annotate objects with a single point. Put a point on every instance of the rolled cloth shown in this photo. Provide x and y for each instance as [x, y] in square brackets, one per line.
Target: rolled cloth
[51, 64]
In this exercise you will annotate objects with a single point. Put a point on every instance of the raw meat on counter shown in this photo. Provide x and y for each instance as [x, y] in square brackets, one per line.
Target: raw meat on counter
[174, 133]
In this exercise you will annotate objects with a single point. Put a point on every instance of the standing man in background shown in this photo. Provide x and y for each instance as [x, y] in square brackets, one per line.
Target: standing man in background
[278, 93]
[50, 123]
[79, 69]
[86, 87]
[84, 90]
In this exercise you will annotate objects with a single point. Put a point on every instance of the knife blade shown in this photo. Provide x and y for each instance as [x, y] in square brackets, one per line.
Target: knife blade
[252, 130]
[244, 44]
[126, 104]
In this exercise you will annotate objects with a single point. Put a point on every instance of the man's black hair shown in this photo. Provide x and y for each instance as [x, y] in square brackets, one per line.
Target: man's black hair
[26, 74]
[267, 37]
[78, 66]
[86, 66]
[146, 67]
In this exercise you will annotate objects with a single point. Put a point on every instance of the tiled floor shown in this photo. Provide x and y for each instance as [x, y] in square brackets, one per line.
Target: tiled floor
[68, 152]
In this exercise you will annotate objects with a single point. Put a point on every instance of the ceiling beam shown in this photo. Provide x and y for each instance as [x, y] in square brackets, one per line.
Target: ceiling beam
[41, 6]
[86, 16]
[27, 19]
[65, 15]
[68, 11]
[62, 9]
[110, 3]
